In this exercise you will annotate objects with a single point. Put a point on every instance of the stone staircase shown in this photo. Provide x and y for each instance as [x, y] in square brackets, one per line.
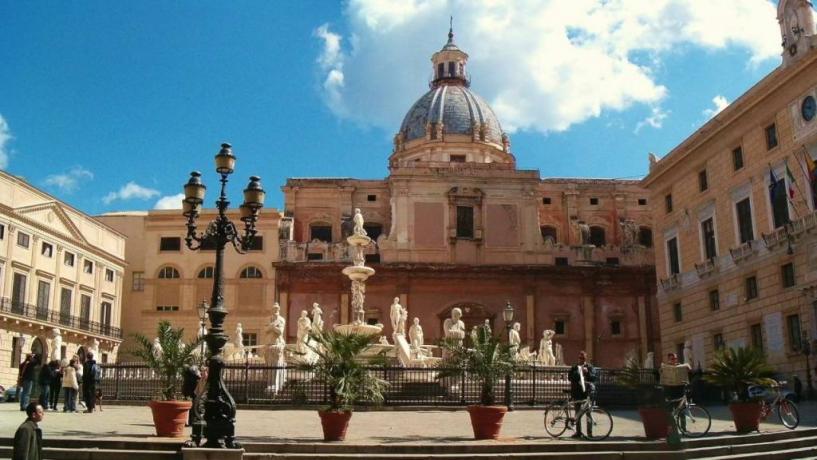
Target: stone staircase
[800, 443]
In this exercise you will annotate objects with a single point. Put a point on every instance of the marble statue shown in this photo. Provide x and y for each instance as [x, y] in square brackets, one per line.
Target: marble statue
[546, 356]
[653, 159]
[157, 349]
[584, 232]
[56, 344]
[395, 311]
[401, 325]
[649, 361]
[304, 326]
[277, 329]
[383, 340]
[514, 340]
[474, 335]
[525, 355]
[688, 352]
[358, 220]
[629, 231]
[94, 348]
[238, 340]
[454, 328]
[317, 318]
[560, 357]
[487, 326]
[416, 334]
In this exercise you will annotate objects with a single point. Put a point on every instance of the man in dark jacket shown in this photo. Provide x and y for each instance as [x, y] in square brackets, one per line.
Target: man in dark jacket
[581, 376]
[90, 378]
[28, 439]
[47, 376]
[27, 375]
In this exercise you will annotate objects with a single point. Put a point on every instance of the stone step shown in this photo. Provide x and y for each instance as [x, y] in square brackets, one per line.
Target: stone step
[51, 453]
[785, 454]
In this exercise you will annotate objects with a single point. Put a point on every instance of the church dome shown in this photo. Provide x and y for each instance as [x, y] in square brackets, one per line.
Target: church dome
[457, 109]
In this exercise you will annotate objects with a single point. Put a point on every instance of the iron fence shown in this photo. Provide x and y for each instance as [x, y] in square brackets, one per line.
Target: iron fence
[291, 386]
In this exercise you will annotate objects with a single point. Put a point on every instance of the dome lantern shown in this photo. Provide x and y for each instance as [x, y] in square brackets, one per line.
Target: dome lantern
[449, 63]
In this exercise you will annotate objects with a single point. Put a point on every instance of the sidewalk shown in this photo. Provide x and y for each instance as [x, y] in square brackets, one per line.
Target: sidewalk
[134, 423]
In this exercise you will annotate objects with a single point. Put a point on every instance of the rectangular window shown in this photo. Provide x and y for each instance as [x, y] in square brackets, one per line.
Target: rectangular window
[751, 288]
[714, 300]
[717, 342]
[109, 275]
[672, 256]
[594, 201]
[787, 275]
[23, 239]
[68, 259]
[43, 299]
[138, 281]
[2, 232]
[84, 311]
[612, 261]
[88, 266]
[561, 262]
[452, 69]
[703, 181]
[708, 236]
[465, 222]
[546, 200]
[65, 305]
[314, 256]
[615, 327]
[18, 293]
[771, 136]
[250, 339]
[642, 202]
[320, 233]
[170, 243]
[47, 250]
[795, 336]
[737, 158]
[371, 197]
[457, 158]
[668, 202]
[756, 333]
[780, 204]
[744, 211]
[105, 315]
[559, 327]
[167, 308]
[678, 312]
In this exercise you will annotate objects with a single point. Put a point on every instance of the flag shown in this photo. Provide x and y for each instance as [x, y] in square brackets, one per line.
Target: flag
[772, 184]
[790, 180]
[811, 165]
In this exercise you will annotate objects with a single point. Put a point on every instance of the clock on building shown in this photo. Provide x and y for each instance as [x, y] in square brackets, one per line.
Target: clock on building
[809, 108]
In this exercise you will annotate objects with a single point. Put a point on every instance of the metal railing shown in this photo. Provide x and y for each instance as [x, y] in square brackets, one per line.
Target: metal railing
[58, 318]
[268, 385]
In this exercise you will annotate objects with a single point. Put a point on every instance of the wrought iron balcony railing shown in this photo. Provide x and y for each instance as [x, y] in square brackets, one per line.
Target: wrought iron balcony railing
[58, 318]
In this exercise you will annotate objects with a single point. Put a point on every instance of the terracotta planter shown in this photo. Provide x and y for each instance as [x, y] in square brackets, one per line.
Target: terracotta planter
[334, 424]
[656, 422]
[169, 417]
[746, 416]
[486, 420]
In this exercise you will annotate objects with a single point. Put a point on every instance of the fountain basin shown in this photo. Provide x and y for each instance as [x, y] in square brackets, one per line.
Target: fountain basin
[364, 329]
[358, 273]
[358, 240]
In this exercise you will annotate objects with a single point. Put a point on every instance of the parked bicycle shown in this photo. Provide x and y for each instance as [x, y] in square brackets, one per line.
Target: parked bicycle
[597, 422]
[786, 409]
[692, 420]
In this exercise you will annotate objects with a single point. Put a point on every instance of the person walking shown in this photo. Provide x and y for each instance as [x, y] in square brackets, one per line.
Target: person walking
[28, 439]
[26, 376]
[582, 377]
[90, 378]
[56, 385]
[47, 375]
[80, 394]
[70, 385]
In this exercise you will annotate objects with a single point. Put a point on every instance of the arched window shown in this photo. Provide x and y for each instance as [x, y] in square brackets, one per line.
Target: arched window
[320, 231]
[168, 272]
[207, 272]
[645, 237]
[548, 233]
[597, 238]
[251, 272]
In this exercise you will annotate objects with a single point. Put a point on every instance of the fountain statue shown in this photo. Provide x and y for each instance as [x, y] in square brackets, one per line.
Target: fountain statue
[395, 311]
[416, 335]
[514, 340]
[358, 273]
[454, 329]
[546, 356]
[317, 318]
[56, 344]
[275, 349]
[156, 349]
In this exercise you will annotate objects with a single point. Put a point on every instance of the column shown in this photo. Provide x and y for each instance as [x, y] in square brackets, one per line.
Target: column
[530, 317]
[344, 308]
[642, 326]
[589, 310]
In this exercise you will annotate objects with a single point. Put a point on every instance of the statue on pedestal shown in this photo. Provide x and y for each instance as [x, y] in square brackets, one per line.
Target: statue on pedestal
[304, 326]
[649, 361]
[395, 311]
[401, 325]
[277, 329]
[238, 341]
[157, 348]
[416, 334]
[358, 220]
[514, 340]
[546, 356]
[454, 328]
[56, 344]
[317, 317]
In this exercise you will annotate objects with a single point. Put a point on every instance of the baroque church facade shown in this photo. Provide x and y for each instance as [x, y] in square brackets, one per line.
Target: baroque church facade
[456, 224]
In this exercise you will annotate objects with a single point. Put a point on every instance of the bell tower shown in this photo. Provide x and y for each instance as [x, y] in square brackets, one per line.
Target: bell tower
[449, 63]
[796, 19]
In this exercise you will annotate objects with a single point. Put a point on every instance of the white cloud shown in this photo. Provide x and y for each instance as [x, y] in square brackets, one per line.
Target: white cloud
[129, 191]
[69, 181]
[5, 136]
[543, 65]
[655, 120]
[720, 103]
[170, 202]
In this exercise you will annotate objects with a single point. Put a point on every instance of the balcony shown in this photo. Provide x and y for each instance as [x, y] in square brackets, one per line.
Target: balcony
[671, 283]
[707, 268]
[743, 252]
[321, 251]
[18, 309]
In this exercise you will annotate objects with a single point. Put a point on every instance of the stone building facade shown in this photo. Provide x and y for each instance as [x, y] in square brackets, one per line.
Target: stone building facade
[60, 271]
[166, 281]
[733, 207]
[456, 224]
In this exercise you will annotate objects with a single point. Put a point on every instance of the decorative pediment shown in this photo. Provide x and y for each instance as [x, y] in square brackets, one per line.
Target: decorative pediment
[52, 216]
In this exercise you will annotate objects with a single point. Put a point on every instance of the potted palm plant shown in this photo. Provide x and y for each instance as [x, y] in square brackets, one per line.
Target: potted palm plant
[486, 362]
[339, 366]
[167, 355]
[735, 369]
[651, 407]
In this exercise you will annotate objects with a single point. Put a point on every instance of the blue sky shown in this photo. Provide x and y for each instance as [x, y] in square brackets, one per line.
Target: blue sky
[109, 106]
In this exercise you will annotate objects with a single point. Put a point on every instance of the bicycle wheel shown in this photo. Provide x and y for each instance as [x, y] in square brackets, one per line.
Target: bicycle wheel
[596, 424]
[694, 421]
[556, 420]
[789, 416]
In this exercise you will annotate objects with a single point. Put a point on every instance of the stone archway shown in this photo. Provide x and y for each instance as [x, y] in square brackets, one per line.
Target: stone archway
[40, 347]
[473, 314]
[81, 354]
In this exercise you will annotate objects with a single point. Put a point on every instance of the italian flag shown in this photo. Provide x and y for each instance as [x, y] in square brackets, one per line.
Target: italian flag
[790, 181]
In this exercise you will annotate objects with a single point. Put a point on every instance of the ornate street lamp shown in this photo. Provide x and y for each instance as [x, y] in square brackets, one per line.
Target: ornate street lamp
[219, 406]
[507, 316]
[202, 309]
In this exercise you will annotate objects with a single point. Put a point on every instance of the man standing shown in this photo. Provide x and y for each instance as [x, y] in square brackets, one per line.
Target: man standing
[581, 376]
[25, 379]
[674, 377]
[28, 439]
[90, 378]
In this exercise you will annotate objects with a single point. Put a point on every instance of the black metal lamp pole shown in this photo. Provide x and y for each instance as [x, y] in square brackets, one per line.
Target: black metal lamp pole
[219, 406]
[507, 316]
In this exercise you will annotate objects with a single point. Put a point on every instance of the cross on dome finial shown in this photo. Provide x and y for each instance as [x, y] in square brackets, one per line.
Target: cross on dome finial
[451, 30]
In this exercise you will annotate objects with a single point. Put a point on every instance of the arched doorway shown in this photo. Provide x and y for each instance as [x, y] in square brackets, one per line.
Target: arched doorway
[38, 347]
[81, 355]
[473, 314]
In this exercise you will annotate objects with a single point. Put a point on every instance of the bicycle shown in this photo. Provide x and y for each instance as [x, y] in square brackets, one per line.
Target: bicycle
[786, 410]
[598, 422]
[692, 420]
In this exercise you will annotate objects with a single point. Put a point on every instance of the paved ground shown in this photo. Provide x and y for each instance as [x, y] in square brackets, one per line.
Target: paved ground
[135, 423]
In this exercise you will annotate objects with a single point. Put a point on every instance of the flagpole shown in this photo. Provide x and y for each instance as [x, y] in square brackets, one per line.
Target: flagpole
[791, 176]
